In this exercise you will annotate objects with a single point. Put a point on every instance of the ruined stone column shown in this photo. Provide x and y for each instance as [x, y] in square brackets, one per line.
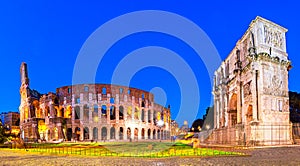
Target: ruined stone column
[239, 107]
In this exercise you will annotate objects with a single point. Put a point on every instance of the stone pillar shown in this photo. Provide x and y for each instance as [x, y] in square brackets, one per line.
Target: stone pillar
[254, 96]
[90, 133]
[132, 133]
[139, 133]
[108, 133]
[81, 134]
[117, 131]
[91, 110]
[81, 112]
[151, 134]
[117, 113]
[239, 102]
[108, 113]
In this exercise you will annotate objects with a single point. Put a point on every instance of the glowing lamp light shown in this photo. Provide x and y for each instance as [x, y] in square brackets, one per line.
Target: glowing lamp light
[160, 123]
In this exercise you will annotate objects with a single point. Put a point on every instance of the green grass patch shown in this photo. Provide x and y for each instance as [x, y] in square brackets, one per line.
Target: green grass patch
[127, 149]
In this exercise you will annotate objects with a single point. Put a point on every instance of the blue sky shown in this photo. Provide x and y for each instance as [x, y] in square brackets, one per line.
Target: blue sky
[49, 35]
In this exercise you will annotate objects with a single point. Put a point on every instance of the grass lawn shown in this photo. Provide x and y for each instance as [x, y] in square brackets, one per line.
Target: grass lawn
[127, 149]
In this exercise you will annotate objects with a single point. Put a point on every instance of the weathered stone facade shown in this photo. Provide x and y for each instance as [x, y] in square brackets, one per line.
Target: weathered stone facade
[251, 102]
[91, 112]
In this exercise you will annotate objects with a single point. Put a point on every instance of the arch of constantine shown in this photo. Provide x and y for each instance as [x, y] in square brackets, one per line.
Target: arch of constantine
[90, 112]
[251, 102]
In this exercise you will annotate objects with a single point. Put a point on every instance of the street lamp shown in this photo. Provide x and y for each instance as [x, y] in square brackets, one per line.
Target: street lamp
[160, 124]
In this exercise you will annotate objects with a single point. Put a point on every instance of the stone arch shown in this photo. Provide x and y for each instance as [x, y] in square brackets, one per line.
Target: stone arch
[104, 91]
[86, 133]
[154, 116]
[143, 133]
[112, 133]
[128, 133]
[249, 113]
[121, 133]
[104, 110]
[149, 116]
[233, 110]
[136, 133]
[68, 112]
[86, 112]
[143, 115]
[77, 112]
[104, 133]
[95, 113]
[112, 112]
[47, 111]
[77, 133]
[136, 113]
[69, 134]
[129, 111]
[158, 134]
[149, 133]
[95, 133]
[143, 104]
[233, 102]
[121, 112]
[154, 134]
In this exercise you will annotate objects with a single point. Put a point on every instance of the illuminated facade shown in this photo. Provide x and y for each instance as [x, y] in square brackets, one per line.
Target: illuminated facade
[251, 102]
[11, 121]
[91, 112]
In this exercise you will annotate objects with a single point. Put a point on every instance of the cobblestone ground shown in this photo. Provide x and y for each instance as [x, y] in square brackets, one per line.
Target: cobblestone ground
[264, 156]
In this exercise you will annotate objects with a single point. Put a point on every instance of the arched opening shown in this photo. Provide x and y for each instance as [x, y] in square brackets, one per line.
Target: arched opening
[95, 113]
[103, 111]
[77, 133]
[154, 117]
[104, 133]
[143, 104]
[136, 133]
[149, 116]
[55, 129]
[121, 112]
[77, 112]
[121, 133]
[129, 112]
[128, 133]
[86, 112]
[35, 109]
[112, 112]
[86, 133]
[249, 114]
[112, 100]
[68, 112]
[143, 115]
[69, 134]
[95, 133]
[47, 111]
[233, 110]
[149, 134]
[104, 91]
[143, 133]
[136, 113]
[154, 134]
[112, 133]
[158, 134]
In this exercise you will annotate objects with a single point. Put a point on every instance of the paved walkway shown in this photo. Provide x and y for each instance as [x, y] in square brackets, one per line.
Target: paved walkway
[261, 156]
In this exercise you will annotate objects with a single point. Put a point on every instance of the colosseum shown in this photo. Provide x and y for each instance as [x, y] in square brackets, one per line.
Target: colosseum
[91, 112]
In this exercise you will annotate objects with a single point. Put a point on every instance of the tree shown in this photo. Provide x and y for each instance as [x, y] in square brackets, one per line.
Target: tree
[197, 125]
[3, 136]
